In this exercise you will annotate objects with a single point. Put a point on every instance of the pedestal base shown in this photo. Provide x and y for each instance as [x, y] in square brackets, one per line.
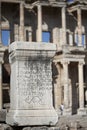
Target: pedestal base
[67, 112]
[59, 112]
[31, 117]
[82, 111]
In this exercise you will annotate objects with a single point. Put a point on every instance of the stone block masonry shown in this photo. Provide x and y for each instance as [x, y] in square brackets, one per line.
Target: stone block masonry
[31, 84]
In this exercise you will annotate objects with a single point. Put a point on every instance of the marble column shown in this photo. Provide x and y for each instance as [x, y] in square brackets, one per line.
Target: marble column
[79, 27]
[70, 93]
[39, 31]
[81, 89]
[57, 89]
[21, 21]
[16, 31]
[70, 39]
[64, 25]
[81, 109]
[66, 86]
[67, 110]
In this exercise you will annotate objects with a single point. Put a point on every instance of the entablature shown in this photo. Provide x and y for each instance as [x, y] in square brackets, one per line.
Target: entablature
[82, 4]
[69, 58]
[51, 3]
[46, 3]
[75, 7]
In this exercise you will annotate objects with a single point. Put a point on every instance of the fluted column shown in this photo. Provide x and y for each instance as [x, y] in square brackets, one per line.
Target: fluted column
[39, 12]
[79, 27]
[21, 21]
[64, 25]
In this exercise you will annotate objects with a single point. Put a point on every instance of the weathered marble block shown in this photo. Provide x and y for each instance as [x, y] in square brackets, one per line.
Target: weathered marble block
[31, 84]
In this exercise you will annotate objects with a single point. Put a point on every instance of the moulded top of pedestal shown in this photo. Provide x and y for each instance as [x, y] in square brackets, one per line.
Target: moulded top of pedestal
[20, 45]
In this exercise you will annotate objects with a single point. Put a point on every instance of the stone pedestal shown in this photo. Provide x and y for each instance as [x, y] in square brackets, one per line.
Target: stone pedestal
[67, 112]
[82, 111]
[31, 84]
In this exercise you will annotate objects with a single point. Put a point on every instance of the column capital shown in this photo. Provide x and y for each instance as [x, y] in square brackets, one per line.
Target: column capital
[81, 63]
[63, 8]
[22, 2]
[56, 63]
[65, 62]
[39, 6]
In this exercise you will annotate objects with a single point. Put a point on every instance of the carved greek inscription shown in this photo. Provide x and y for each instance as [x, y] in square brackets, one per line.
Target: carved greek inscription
[35, 80]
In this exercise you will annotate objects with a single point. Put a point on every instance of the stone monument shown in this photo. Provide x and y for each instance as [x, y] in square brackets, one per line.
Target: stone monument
[31, 84]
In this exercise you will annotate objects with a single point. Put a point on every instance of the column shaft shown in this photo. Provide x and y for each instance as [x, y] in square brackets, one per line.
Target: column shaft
[70, 93]
[39, 23]
[16, 31]
[79, 27]
[57, 87]
[66, 86]
[64, 25]
[81, 89]
[70, 39]
[21, 21]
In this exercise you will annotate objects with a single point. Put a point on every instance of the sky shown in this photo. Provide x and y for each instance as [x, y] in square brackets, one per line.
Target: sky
[5, 37]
